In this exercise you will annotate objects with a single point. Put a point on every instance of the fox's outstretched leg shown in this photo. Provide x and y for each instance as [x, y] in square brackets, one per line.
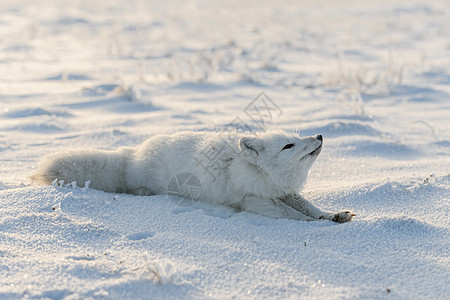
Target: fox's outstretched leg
[273, 208]
[305, 207]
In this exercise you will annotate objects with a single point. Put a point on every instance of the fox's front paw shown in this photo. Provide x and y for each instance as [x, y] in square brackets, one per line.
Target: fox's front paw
[343, 216]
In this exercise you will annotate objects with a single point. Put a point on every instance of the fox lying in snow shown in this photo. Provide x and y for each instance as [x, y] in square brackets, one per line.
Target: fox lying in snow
[260, 173]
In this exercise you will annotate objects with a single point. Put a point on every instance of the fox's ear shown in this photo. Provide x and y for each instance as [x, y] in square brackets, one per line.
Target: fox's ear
[250, 146]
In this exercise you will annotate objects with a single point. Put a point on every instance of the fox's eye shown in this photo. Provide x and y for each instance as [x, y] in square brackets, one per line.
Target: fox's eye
[288, 146]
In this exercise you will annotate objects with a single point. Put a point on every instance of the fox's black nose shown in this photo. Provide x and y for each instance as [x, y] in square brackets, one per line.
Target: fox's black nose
[319, 137]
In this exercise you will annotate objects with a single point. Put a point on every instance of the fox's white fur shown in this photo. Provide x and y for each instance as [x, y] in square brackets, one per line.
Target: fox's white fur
[260, 173]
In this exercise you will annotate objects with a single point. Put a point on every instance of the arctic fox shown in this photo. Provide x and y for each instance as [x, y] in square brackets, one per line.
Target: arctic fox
[260, 173]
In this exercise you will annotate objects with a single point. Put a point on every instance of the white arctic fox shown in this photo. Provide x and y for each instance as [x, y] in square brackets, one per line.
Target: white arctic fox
[260, 173]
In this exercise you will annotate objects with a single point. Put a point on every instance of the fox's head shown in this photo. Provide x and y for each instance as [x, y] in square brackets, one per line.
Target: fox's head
[278, 162]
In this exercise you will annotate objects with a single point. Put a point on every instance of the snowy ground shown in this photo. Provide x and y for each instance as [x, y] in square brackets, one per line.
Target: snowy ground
[373, 79]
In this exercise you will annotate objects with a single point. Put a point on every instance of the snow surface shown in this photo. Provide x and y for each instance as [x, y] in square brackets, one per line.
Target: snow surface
[372, 77]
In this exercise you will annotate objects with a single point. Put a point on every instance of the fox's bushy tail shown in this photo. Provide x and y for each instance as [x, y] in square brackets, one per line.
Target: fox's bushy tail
[103, 170]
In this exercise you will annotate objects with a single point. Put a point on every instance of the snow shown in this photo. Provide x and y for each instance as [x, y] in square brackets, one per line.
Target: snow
[372, 78]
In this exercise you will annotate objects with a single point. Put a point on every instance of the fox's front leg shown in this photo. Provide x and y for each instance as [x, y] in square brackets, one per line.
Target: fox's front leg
[305, 207]
[339, 217]
[274, 208]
